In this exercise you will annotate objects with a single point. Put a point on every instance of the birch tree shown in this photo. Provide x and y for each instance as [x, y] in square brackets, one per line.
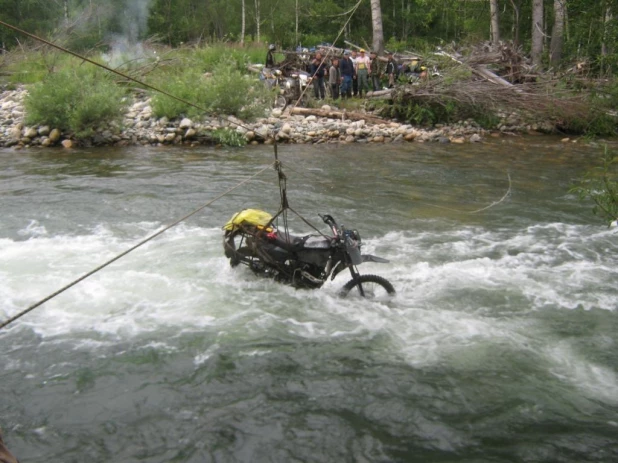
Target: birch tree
[242, 23]
[376, 22]
[557, 33]
[537, 32]
[495, 22]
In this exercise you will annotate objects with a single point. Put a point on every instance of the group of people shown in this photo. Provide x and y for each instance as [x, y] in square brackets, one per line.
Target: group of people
[350, 75]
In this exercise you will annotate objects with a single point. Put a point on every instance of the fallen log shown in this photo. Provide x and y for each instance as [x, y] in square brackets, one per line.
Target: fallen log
[353, 115]
[380, 94]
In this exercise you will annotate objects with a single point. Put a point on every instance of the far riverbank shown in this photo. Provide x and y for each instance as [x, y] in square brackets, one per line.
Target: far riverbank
[141, 127]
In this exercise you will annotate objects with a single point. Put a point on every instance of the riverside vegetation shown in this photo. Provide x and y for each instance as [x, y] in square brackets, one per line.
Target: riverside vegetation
[48, 100]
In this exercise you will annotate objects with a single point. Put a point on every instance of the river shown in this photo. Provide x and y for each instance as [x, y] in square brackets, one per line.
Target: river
[499, 346]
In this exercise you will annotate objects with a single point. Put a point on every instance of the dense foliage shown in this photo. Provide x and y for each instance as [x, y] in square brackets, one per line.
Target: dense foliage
[600, 185]
[212, 79]
[76, 100]
[591, 29]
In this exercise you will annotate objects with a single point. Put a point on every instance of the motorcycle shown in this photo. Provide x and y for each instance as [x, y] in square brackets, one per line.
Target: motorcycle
[289, 88]
[308, 261]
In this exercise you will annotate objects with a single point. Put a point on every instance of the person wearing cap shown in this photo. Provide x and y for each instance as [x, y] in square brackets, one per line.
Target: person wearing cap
[363, 71]
[346, 68]
[391, 70]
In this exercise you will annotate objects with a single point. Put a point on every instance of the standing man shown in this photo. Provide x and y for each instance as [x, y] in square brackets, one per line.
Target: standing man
[346, 69]
[270, 58]
[362, 72]
[334, 79]
[355, 77]
[318, 70]
[375, 71]
[391, 70]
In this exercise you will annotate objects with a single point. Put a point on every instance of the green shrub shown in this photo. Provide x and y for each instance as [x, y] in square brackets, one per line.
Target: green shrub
[601, 186]
[75, 100]
[229, 137]
[226, 92]
[187, 84]
[231, 92]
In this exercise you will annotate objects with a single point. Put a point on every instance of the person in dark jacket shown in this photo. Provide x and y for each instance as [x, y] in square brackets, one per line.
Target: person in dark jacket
[318, 71]
[334, 79]
[346, 67]
[270, 57]
[391, 70]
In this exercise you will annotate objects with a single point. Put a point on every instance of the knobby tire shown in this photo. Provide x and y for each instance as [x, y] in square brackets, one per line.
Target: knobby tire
[376, 279]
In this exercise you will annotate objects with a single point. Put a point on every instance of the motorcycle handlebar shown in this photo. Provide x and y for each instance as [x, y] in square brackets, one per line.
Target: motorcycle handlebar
[328, 220]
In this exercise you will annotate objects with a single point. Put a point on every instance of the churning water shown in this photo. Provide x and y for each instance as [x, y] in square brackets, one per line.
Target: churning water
[500, 345]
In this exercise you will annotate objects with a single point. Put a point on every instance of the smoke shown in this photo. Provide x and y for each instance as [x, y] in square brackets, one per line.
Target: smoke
[127, 48]
[135, 19]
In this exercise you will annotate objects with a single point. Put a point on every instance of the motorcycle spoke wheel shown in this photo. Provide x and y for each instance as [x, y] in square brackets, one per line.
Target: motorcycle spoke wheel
[281, 102]
[373, 287]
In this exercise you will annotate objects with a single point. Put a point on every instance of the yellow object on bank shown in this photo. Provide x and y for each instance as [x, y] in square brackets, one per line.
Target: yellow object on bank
[255, 217]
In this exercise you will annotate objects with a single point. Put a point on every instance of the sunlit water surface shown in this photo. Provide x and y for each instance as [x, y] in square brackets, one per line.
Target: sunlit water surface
[499, 346]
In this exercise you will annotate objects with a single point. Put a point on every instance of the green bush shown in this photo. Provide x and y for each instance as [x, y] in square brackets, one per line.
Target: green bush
[229, 137]
[601, 186]
[75, 100]
[226, 92]
[231, 92]
[187, 84]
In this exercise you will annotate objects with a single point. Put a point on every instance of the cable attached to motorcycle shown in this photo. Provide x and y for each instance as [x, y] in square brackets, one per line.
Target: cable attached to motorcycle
[141, 243]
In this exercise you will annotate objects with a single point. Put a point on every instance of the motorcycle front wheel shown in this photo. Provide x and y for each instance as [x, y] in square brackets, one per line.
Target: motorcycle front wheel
[373, 287]
[281, 102]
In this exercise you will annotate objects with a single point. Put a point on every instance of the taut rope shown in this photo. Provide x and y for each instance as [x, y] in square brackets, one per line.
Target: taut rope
[151, 237]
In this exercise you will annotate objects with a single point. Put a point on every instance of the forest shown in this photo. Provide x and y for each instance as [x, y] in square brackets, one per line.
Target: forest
[553, 33]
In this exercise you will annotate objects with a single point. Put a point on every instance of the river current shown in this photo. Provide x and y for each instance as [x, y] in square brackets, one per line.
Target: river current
[499, 346]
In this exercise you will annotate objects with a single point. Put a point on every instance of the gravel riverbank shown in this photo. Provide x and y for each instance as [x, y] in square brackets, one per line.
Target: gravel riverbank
[140, 127]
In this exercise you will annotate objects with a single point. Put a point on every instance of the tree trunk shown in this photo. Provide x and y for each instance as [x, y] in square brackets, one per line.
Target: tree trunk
[243, 24]
[296, 27]
[495, 22]
[557, 33]
[376, 22]
[257, 20]
[515, 23]
[537, 33]
[605, 47]
[66, 12]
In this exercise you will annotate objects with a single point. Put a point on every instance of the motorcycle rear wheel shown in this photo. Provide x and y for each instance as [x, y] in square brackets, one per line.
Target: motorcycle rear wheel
[374, 287]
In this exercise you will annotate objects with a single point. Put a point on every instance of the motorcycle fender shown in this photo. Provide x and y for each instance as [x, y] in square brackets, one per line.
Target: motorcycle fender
[370, 258]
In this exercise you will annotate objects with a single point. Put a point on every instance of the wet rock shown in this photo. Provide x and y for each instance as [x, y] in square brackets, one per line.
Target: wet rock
[475, 138]
[68, 144]
[15, 133]
[54, 135]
